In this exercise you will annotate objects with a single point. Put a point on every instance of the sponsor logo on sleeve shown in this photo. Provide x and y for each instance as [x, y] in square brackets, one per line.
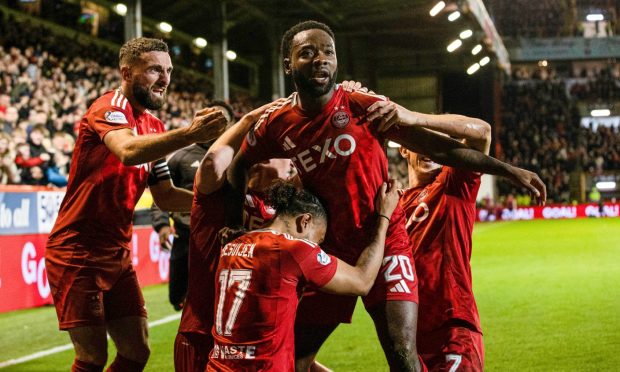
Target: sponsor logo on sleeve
[251, 138]
[115, 117]
[323, 258]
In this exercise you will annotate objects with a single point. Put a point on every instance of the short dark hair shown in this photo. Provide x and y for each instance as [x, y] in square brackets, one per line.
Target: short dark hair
[287, 39]
[288, 200]
[133, 49]
[226, 106]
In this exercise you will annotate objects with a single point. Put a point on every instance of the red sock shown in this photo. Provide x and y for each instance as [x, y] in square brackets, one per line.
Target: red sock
[122, 364]
[80, 366]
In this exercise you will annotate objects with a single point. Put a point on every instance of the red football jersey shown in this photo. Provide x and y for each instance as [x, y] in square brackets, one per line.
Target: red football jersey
[207, 219]
[340, 158]
[98, 207]
[259, 278]
[440, 221]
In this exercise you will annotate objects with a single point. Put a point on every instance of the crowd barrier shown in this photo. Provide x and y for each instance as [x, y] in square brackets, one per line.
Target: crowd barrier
[27, 216]
[550, 212]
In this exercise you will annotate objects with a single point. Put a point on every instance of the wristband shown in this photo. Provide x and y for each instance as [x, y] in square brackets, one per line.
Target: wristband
[384, 216]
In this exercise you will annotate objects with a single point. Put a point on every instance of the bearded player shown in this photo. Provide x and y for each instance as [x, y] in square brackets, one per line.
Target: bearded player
[338, 153]
[88, 258]
[194, 340]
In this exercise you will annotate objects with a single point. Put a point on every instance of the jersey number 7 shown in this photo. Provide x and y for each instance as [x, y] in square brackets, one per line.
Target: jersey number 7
[227, 280]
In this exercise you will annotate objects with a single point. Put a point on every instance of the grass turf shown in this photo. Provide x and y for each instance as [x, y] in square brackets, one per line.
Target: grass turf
[548, 294]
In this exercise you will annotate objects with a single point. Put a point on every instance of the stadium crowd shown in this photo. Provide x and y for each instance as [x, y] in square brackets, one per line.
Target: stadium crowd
[45, 89]
[46, 85]
[552, 18]
[541, 129]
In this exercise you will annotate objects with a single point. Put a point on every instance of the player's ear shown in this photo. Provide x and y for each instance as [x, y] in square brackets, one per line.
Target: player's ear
[126, 73]
[287, 66]
[303, 222]
[403, 152]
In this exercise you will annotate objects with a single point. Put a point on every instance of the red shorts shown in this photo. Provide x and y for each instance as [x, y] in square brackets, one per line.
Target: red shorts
[452, 349]
[191, 352]
[396, 282]
[92, 286]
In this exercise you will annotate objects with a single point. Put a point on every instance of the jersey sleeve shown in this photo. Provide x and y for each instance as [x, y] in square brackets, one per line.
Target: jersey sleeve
[159, 172]
[259, 143]
[462, 184]
[362, 101]
[316, 266]
[108, 117]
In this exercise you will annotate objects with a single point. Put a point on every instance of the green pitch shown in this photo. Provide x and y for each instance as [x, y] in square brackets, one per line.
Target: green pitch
[548, 294]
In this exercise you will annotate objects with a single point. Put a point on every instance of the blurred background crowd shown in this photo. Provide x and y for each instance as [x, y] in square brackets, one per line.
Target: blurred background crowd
[48, 81]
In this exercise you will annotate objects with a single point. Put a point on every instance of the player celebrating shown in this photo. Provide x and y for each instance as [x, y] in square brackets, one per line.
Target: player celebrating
[88, 258]
[339, 155]
[260, 276]
[194, 341]
[440, 204]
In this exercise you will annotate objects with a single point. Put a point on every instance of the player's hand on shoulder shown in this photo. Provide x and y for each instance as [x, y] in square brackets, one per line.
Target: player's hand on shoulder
[228, 234]
[207, 125]
[255, 114]
[531, 181]
[350, 86]
[389, 114]
[387, 198]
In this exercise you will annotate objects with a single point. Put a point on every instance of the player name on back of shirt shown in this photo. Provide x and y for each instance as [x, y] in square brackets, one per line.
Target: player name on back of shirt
[238, 249]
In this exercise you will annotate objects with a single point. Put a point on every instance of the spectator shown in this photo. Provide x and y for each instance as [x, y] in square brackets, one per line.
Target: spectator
[9, 173]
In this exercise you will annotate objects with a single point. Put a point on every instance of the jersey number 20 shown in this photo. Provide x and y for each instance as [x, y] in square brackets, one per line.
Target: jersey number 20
[227, 279]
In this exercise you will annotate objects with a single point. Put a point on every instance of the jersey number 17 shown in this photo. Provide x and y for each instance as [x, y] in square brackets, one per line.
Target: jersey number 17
[227, 280]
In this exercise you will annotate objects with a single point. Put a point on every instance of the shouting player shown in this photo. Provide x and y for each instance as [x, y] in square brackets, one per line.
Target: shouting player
[338, 153]
[88, 257]
[261, 274]
[194, 340]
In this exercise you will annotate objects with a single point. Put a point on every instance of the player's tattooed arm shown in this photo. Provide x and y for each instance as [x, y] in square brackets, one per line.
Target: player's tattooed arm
[446, 151]
[475, 132]
[358, 279]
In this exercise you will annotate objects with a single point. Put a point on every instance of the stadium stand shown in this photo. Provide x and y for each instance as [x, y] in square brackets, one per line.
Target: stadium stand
[553, 18]
[541, 131]
[47, 82]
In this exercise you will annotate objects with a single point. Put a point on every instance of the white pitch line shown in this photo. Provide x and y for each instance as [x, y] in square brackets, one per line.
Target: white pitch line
[59, 349]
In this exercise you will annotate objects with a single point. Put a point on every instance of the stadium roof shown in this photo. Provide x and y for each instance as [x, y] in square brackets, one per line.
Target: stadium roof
[403, 29]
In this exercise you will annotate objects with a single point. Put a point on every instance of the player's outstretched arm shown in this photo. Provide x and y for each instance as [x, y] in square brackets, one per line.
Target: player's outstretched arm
[358, 279]
[132, 149]
[446, 151]
[475, 132]
[211, 173]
